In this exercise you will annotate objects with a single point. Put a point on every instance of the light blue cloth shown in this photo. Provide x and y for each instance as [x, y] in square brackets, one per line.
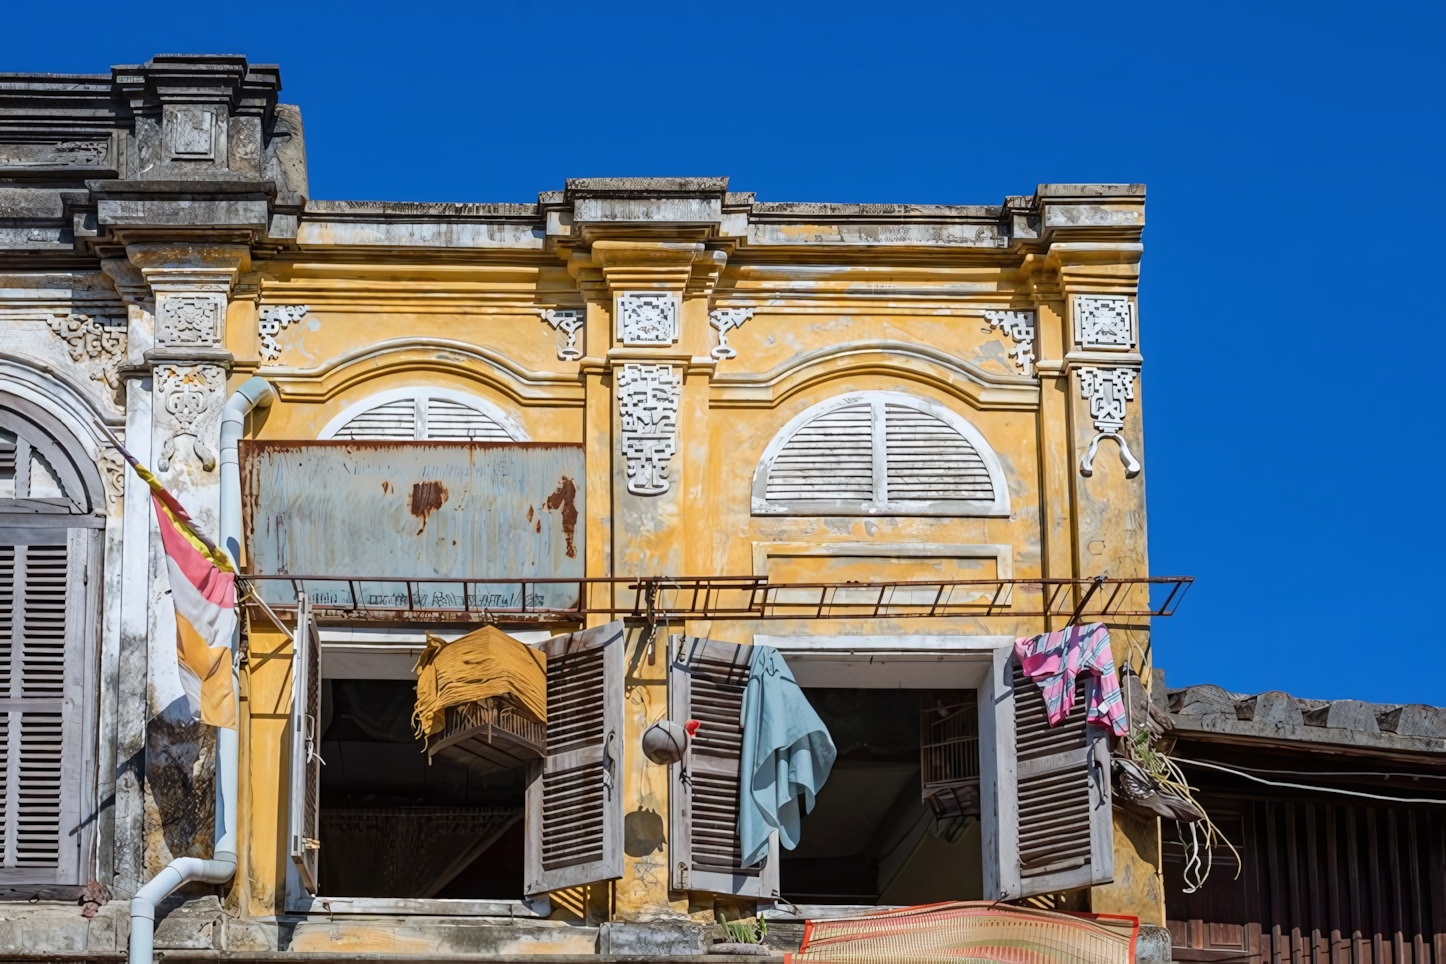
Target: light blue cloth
[787, 753]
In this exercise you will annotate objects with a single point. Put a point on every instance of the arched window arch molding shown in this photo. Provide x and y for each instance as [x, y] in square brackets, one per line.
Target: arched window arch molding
[67, 415]
[424, 415]
[861, 456]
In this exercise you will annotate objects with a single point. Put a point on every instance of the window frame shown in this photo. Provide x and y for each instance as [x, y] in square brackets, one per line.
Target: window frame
[878, 402]
[508, 421]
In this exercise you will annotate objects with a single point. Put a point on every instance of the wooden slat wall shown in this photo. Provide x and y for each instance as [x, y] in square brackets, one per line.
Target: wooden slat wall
[1321, 882]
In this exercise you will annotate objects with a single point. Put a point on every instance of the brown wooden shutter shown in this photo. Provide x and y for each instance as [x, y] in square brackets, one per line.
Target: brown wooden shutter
[306, 759]
[706, 681]
[1059, 835]
[575, 794]
[45, 587]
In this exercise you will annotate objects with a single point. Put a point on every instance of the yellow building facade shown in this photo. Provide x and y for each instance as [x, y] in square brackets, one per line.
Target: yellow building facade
[780, 413]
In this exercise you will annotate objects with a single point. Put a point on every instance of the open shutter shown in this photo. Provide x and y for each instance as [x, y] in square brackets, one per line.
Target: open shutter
[45, 588]
[575, 793]
[306, 759]
[706, 681]
[1059, 835]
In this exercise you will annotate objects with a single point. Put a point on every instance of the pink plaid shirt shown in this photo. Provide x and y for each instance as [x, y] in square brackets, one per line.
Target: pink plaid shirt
[1055, 660]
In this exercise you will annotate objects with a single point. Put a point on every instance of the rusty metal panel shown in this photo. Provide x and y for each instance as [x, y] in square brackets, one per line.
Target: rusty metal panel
[369, 513]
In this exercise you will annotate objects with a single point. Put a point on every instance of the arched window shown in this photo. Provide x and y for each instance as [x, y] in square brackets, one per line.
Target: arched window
[49, 608]
[879, 453]
[425, 414]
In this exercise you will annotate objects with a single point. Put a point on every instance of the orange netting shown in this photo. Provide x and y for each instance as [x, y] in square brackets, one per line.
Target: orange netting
[966, 931]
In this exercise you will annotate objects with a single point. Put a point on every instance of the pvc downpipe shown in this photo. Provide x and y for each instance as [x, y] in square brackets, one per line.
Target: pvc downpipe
[222, 867]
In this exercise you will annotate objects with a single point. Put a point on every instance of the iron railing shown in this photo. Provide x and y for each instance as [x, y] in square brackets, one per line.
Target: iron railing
[657, 598]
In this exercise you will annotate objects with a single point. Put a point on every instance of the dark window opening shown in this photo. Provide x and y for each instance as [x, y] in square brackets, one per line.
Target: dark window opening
[897, 822]
[395, 825]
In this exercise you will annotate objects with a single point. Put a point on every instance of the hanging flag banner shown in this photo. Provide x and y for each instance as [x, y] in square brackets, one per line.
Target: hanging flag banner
[203, 591]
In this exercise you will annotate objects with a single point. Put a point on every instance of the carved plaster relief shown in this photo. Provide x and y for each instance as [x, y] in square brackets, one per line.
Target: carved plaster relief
[726, 320]
[648, 397]
[190, 320]
[1108, 391]
[1105, 322]
[647, 317]
[187, 393]
[191, 132]
[566, 322]
[89, 339]
[272, 319]
[1019, 326]
[113, 474]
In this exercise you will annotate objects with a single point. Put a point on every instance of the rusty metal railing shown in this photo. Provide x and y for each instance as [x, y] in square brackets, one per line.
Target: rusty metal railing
[655, 598]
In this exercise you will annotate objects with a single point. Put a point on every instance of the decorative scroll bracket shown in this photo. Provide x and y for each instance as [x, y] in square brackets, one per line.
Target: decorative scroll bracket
[566, 321]
[273, 319]
[1108, 390]
[726, 320]
[1019, 326]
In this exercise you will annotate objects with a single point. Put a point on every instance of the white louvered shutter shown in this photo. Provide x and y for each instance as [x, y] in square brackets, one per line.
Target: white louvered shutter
[830, 458]
[575, 794]
[45, 588]
[305, 816]
[706, 681]
[424, 418]
[451, 421]
[393, 421]
[1061, 827]
[927, 460]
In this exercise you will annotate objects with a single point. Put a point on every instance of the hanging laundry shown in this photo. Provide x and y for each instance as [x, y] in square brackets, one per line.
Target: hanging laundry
[787, 753]
[1055, 660]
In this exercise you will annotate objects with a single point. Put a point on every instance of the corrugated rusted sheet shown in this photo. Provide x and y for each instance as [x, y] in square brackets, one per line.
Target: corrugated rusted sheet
[412, 510]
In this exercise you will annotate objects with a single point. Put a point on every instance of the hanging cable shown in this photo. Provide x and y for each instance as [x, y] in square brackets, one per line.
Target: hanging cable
[1303, 786]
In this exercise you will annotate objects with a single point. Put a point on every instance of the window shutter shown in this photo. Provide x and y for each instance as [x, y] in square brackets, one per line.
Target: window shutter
[45, 584]
[394, 420]
[706, 681]
[306, 762]
[575, 794]
[451, 421]
[1059, 835]
[928, 460]
[832, 457]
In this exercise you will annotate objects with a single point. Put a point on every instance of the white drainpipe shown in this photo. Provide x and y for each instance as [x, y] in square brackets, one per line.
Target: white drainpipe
[222, 867]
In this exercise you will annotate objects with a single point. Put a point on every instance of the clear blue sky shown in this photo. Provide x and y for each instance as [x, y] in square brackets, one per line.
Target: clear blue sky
[1291, 304]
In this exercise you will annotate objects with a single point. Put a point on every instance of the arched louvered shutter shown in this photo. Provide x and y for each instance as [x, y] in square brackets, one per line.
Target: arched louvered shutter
[1059, 832]
[49, 600]
[706, 681]
[880, 453]
[449, 420]
[926, 459]
[426, 415]
[394, 420]
[832, 457]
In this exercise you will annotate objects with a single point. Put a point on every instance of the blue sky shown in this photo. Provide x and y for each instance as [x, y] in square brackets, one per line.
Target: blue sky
[1292, 329]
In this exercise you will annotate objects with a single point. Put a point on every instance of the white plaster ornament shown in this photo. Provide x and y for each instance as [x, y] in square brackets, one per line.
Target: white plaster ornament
[568, 322]
[726, 320]
[1108, 391]
[648, 397]
[1019, 326]
[274, 318]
